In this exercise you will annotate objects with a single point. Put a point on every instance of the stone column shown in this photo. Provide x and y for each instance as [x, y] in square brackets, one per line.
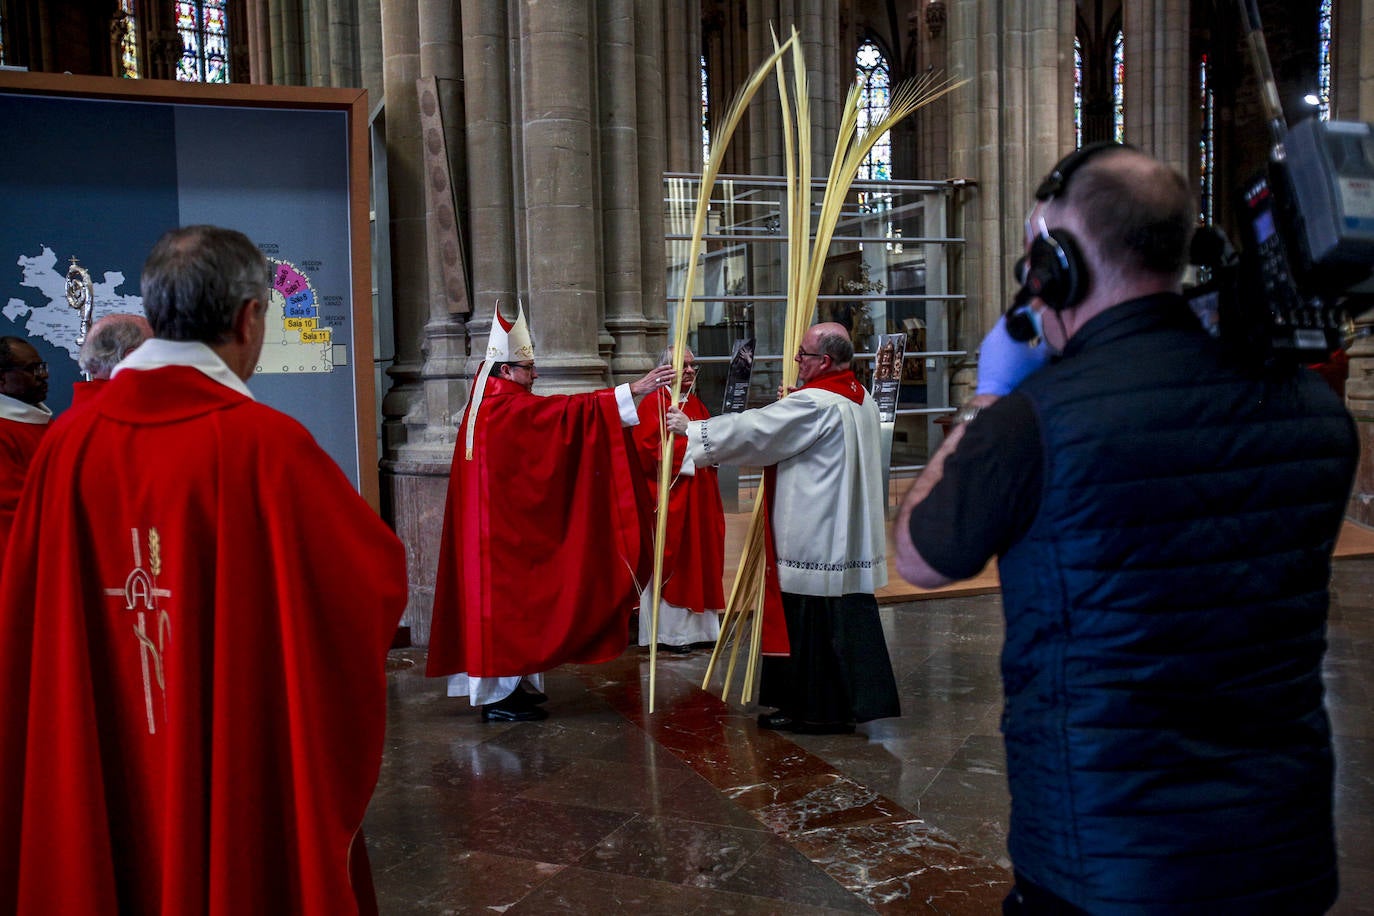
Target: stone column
[370, 50]
[445, 349]
[622, 268]
[288, 43]
[653, 158]
[316, 50]
[343, 43]
[681, 41]
[259, 42]
[410, 284]
[558, 172]
[929, 36]
[1158, 112]
[433, 392]
[409, 484]
[490, 181]
[1008, 127]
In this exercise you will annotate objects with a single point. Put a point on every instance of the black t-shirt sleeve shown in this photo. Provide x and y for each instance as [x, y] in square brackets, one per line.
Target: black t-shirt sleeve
[989, 493]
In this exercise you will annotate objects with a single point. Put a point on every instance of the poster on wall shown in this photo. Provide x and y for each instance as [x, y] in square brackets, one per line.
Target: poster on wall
[94, 170]
[887, 374]
[737, 378]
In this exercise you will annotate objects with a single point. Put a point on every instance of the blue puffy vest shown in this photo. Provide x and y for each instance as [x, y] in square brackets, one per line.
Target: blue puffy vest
[1168, 749]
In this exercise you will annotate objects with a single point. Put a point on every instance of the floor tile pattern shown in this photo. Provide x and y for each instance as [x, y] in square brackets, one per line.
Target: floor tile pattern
[604, 808]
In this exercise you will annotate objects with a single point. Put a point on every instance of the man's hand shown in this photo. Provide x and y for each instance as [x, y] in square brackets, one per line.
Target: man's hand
[660, 377]
[1004, 363]
[676, 420]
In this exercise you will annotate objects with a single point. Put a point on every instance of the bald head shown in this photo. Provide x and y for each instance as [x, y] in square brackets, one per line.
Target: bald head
[833, 340]
[111, 339]
[824, 347]
[1134, 216]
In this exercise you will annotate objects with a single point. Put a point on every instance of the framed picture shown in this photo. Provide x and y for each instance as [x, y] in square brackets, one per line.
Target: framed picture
[93, 170]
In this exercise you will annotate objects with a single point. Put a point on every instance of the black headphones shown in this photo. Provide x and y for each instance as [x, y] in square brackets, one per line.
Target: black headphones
[1054, 271]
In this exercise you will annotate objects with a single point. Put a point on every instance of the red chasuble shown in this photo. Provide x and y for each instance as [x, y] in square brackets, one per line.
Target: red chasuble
[542, 540]
[192, 660]
[694, 552]
[84, 393]
[18, 443]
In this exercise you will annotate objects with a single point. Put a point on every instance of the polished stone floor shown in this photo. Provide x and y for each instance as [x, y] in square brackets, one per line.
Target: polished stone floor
[604, 808]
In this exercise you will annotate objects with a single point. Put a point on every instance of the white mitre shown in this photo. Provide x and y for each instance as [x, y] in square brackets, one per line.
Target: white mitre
[508, 342]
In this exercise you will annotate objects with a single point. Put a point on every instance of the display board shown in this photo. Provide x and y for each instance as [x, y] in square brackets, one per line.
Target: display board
[96, 169]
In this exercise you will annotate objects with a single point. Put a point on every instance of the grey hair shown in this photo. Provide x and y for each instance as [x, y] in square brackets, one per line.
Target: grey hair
[665, 358]
[197, 278]
[109, 341]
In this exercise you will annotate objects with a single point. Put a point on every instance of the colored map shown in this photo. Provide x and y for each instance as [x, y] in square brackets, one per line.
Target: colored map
[55, 321]
[296, 339]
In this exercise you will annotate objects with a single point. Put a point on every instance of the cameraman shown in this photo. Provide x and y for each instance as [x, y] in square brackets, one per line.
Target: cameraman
[1164, 524]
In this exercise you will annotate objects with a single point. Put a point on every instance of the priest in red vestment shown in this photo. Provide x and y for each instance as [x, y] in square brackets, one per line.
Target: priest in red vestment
[23, 421]
[694, 550]
[193, 633]
[107, 342]
[542, 542]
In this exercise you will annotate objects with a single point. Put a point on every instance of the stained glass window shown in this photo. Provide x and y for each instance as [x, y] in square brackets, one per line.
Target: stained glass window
[1324, 60]
[875, 80]
[1119, 87]
[705, 113]
[1077, 91]
[1206, 143]
[204, 42]
[128, 42]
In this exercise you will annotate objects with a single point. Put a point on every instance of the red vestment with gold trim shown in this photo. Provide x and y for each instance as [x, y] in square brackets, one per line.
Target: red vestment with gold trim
[192, 662]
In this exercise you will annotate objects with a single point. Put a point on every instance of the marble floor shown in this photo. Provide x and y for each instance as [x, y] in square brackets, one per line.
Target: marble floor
[604, 808]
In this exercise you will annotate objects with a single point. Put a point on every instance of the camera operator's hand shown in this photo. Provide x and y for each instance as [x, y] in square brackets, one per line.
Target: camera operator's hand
[1004, 363]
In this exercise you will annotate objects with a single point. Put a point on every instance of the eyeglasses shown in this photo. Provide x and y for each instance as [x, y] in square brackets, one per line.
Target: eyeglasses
[802, 354]
[38, 368]
[528, 367]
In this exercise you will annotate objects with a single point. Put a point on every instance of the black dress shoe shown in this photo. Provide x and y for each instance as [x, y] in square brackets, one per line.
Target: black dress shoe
[777, 721]
[674, 650]
[515, 708]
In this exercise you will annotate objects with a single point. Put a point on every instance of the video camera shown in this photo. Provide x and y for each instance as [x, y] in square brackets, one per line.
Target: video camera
[1307, 263]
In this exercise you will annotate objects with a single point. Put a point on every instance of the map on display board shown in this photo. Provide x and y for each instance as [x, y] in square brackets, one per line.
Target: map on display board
[298, 336]
[94, 171]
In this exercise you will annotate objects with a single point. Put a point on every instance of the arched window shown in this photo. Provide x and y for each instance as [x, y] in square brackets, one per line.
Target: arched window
[1324, 60]
[1206, 166]
[875, 80]
[204, 42]
[1077, 91]
[705, 112]
[1119, 86]
[127, 22]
